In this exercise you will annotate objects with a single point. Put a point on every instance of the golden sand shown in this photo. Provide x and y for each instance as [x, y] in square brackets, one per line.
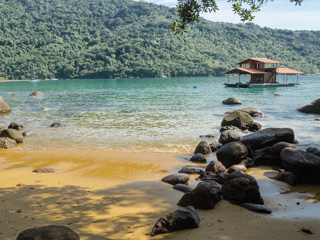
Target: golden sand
[110, 195]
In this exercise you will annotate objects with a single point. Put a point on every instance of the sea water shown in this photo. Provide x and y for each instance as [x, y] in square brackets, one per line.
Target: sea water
[148, 115]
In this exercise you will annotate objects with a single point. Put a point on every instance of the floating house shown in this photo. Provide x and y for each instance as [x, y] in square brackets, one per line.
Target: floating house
[263, 73]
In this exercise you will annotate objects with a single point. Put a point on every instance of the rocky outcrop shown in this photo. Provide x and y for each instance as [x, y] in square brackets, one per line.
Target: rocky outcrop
[313, 107]
[36, 94]
[13, 134]
[51, 232]
[203, 147]
[232, 153]
[240, 120]
[4, 108]
[181, 219]
[176, 178]
[268, 137]
[241, 188]
[215, 167]
[199, 157]
[231, 101]
[204, 196]
[6, 142]
[16, 126]
[230, 136]
[304, 165]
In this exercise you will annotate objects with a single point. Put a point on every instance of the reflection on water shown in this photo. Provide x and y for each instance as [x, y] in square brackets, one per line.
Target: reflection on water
[157, 115]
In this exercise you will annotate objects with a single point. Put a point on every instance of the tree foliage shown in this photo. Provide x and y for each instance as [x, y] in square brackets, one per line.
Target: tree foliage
[123, 38]
[189, 10]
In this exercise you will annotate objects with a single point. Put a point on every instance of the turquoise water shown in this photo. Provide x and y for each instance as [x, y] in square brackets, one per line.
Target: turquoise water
[148, 115]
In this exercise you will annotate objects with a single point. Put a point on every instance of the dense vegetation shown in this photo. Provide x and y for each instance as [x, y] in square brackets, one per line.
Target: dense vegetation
[123, 38]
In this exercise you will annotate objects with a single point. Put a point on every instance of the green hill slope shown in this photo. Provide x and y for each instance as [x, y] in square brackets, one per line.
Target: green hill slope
[123, 38]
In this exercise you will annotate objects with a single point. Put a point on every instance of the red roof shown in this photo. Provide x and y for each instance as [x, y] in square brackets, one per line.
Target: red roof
[240, 70]
[287, 71]
[263, 60]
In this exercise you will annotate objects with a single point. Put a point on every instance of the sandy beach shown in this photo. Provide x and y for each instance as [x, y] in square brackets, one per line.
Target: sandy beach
[110, 195]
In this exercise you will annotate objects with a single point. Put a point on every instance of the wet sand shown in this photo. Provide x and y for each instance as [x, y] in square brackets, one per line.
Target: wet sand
[110, 195]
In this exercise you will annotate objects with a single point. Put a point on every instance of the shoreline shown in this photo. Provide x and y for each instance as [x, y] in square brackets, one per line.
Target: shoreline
[112, 195]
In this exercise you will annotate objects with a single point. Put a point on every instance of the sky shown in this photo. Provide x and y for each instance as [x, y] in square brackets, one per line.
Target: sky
[280, 14]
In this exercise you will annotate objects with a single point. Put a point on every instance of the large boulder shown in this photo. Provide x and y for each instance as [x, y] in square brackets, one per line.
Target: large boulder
[230, 136]
[176, 178]
[181, 219]
[204, 196]
[313, 107]
[241, 188]
[306, 166]
[215, 167]
[270, 155]
[51, 232]
[268, 137]
[232, 153]
[203, 147]
[6, 142]
[4, 108]
[13, 134]
[231, 101]
[240, 120]
[252, 111]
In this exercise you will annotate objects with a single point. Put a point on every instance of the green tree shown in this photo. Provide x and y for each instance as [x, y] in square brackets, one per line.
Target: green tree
[189, 10]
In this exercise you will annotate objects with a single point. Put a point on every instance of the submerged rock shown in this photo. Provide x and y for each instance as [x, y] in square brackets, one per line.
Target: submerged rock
[36, 94]
[176, 178]
[313, 107]
[181, 219]
[56, 124]
[204, 196]
[51, 232]
[231, 101]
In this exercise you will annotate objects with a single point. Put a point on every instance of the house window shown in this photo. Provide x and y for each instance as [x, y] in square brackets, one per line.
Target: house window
[246, 65]
[257, 65]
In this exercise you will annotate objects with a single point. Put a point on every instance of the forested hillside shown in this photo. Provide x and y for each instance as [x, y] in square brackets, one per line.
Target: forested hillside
[123, 38]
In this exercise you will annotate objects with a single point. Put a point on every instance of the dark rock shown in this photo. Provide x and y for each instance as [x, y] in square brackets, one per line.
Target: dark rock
[176, 178]
[191, 170]
[181, 219]
[231, 101]
[6, 142]
[4, 108]
[16, 126]
[215, 167]
[252, 111]
[313, 107]
[248, 163]
[241, 188]
[203, 147]
[256, 208]
[13, 134]
[204, 196]
[306, 166]
[207, 136]
[313, 150]
[270, 155]
[36, 94]
[232, 153]
[230, 136]
[237, 167]
[268, 137]
[51, 232]
[26, 133]
[215, 146]
[45, 170]
[240, 120]
[225, 128]
[199, 157]
[182, 187]
[220, 178]
[287, 177]
[56, 124]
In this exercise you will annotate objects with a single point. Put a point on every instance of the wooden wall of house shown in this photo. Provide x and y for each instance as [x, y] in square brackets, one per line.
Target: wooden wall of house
[257, 78]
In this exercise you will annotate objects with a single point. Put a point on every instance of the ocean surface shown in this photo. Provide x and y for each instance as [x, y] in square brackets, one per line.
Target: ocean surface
[148, 115]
